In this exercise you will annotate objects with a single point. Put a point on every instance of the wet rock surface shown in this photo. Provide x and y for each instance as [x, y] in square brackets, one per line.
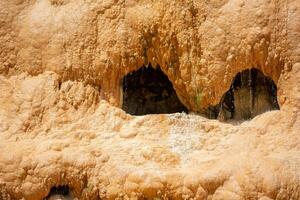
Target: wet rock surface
[250, 94]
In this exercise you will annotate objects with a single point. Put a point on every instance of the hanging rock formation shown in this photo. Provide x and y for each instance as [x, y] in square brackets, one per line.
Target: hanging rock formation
[62, 63]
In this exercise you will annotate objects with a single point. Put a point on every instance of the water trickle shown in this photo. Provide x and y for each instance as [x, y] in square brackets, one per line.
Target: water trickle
[250, 91]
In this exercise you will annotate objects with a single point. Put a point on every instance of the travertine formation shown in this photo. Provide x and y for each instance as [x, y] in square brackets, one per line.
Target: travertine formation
[62, 63]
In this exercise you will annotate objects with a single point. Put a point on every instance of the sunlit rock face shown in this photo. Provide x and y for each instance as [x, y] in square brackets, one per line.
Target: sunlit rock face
[66, 129]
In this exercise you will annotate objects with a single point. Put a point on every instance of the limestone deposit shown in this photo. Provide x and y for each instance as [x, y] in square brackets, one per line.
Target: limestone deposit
[64, 134]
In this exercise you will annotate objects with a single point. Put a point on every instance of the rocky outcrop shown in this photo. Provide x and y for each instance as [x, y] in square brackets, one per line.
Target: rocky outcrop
[200, 46]
[62, 63]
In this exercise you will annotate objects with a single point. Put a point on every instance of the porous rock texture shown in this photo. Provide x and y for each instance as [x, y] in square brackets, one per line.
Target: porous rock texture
[62, 64]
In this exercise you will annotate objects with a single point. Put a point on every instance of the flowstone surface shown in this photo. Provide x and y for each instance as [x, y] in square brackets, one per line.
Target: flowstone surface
[64, 135]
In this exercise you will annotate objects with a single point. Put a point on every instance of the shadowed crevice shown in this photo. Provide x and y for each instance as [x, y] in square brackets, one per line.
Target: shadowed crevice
[149, 91]
[59, 192]
[251, 93]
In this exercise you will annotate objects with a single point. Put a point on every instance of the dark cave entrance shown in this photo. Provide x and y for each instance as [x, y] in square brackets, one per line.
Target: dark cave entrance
[149, 91]
[59, 191]
[251, 93]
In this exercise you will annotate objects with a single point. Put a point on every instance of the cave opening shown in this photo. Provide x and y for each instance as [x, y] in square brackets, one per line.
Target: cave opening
[251, 93]
[62, 191]
[149, 91]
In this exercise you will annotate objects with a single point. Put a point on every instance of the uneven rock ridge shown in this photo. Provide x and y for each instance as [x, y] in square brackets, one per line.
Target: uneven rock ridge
[64, 65]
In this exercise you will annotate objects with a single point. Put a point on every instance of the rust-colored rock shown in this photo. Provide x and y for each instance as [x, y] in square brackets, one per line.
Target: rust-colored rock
[62, 63]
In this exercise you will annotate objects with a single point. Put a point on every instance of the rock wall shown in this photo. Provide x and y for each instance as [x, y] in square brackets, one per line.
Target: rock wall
[62, 63]
[200, 45]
